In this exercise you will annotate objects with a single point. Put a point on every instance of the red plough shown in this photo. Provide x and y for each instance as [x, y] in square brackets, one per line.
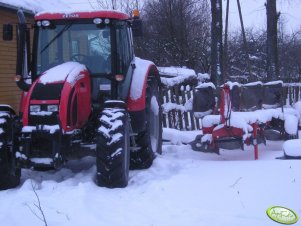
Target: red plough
[248, 115]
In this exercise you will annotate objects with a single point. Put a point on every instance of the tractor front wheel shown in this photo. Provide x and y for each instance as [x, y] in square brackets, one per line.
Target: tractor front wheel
[149, 141]
[113, 148]
[9, 173]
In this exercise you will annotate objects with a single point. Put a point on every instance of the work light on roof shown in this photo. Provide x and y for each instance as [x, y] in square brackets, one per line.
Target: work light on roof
[45, 23]
[39, 23]
[107, 21]
[97, 21]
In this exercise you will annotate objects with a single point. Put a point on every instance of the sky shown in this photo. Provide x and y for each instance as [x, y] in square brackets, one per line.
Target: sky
[254, 14]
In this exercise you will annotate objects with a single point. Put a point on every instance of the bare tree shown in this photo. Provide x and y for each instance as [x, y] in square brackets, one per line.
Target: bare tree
[122, 5]
[217, 43]
[38, 206]
[272, 40]
[177, 32]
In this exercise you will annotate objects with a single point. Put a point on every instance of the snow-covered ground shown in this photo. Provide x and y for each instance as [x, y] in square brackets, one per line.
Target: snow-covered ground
[182, 187]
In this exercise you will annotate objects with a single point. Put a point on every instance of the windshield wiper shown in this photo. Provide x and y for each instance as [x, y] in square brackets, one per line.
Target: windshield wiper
[65, 28]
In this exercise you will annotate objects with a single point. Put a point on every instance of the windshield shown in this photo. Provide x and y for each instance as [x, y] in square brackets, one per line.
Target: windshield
[88, 44]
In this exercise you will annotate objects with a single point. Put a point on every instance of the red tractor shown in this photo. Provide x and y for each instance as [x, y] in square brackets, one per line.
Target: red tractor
[84, 94]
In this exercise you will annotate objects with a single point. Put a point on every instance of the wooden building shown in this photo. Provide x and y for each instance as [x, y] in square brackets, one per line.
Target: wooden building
[9, 92]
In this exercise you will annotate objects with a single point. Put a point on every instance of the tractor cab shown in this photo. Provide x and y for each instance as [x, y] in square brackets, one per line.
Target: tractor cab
[102, 41]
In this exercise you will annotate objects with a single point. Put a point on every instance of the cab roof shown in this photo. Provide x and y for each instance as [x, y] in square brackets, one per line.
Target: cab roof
[111, 14]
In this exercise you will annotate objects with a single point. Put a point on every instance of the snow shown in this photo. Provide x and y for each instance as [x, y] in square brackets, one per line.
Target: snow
[2, 120]
[3, 114]
[290, 124]
[167, 107]
[232, 84]
[154, 105]
[206, 85]
[115, 138]
[211, 120]
[69, 70]
[115, 125]
[20, 155]
[292, 148]
[203, 77]
[253, 84]
[182, 187]
[178, 137]
[172, 81]
[297, 106]
[50, 128]
[117, 152]
[202, 114]
[46, 161]
[142, 67]
[274, 83]
[175, 71]
[41, 113]
[38, 5]
[243, 120]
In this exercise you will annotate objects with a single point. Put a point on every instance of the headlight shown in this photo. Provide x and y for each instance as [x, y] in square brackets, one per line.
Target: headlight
[52, 108]
[35, 108]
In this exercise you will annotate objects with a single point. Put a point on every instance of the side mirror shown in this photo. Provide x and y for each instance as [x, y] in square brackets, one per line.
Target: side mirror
[7, 32]
[137, 28]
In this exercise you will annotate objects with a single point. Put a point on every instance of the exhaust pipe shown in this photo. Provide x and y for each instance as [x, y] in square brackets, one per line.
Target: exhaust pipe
[22, 52]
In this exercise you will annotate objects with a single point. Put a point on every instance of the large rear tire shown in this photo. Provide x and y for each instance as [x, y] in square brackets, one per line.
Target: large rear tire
[113, 148]
[9, 173]
[149, 141]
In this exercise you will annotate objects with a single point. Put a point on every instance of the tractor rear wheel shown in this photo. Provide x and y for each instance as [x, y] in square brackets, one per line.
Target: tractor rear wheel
[9, 173]
[149, 141]
[113, 148]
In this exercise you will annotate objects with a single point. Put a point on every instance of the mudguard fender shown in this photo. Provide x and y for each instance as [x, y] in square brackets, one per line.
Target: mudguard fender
[137, 92]
[7, 108]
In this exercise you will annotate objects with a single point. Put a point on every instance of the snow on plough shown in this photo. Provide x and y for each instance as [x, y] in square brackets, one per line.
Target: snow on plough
[246, 114]
[84, 94]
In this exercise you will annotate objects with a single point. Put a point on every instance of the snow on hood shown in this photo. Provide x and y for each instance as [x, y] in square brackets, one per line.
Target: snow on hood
[61, 72]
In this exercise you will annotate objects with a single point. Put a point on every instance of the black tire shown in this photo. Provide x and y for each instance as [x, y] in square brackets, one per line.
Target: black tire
[113, 151]
[149, 141]
[9, 173]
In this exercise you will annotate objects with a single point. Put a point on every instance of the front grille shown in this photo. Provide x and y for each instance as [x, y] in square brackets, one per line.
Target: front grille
[47, 91]
[43, 120]
[38, 118]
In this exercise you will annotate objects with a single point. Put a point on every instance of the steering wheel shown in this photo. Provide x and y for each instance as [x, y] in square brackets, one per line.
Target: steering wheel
[81, 58]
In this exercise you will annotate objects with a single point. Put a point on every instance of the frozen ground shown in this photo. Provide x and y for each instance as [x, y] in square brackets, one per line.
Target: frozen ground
[181, 188]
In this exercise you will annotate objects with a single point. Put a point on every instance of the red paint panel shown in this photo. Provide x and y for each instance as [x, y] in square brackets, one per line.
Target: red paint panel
[227, 132]
[208, 130]
[44, 102]
[139, 104]
[22, 102]
[82, 15]
[25, 104]
[82, 90]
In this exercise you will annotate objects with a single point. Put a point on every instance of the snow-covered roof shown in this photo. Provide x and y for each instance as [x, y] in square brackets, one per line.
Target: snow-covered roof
[35, 6]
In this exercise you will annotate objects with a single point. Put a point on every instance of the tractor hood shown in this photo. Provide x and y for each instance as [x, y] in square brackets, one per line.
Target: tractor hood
[69, 71]
[67, 89]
